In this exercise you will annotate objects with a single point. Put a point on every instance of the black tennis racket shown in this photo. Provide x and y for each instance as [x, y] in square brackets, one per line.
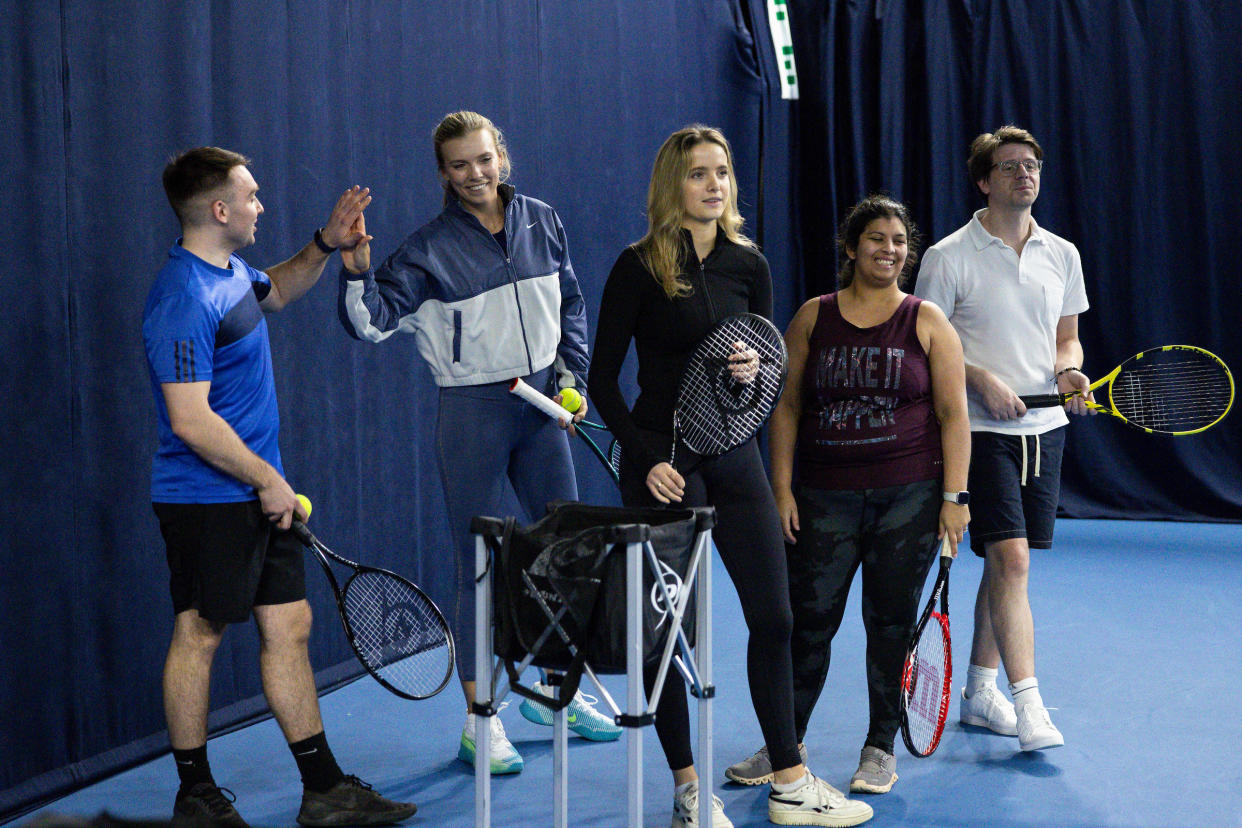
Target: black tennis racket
[927, 678]
[610, 459]
[1172, 389]
[718, 407]
[395, 630]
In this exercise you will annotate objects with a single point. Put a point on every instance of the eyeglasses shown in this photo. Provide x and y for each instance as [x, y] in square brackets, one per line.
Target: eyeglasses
[1010, 168]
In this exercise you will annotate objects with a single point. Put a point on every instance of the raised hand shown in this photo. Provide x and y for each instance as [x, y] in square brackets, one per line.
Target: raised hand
[357, 256]
[341, 229]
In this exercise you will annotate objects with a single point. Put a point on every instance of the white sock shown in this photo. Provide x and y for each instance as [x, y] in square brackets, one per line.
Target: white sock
[685, 787]
[790, 787]
[979, 678]
[1025, 692]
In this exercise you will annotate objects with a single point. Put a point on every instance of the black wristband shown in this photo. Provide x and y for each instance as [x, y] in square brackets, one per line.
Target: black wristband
[321, 244]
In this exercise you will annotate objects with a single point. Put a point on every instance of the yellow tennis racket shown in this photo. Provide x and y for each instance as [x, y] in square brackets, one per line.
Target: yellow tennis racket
[1173, 389]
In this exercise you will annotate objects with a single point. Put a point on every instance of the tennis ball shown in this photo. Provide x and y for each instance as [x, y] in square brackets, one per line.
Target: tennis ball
[306, 504]
[571, 400]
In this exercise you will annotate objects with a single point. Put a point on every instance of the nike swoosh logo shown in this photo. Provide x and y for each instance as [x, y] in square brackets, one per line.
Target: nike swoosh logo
[309, 752]
[573, 717]
[190, 762]
[532, 224]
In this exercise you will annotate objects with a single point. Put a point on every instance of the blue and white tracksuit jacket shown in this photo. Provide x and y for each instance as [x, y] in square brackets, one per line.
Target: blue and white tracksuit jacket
[478, 315]
[482, 317]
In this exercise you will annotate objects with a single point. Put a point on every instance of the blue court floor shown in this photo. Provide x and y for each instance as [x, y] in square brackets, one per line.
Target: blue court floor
[1137, 636]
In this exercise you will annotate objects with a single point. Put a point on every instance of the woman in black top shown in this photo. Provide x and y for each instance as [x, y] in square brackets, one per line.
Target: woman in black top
[665, 292]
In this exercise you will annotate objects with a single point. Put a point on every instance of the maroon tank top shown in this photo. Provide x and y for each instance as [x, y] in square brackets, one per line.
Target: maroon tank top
[867, 415]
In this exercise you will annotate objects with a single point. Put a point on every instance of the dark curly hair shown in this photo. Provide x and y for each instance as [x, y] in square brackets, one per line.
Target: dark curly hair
[860, 215]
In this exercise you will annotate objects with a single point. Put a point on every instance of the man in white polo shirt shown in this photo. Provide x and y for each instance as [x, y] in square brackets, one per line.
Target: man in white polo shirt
[1013, 292]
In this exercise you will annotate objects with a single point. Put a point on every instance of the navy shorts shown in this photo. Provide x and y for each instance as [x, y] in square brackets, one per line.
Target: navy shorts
[224, 559]
[1010, 498]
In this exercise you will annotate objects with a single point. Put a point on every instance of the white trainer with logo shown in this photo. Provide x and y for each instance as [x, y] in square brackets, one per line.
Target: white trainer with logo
[816, 803]
[1036, 730]
[989, 708]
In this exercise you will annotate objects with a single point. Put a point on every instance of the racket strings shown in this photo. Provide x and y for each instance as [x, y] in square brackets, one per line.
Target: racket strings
[1175, 394]
[614, 457]
[926, 688]
[397, 632]
[717, 411]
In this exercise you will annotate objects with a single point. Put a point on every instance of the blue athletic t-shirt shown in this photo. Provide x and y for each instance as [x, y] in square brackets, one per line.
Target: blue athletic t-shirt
[203, 323]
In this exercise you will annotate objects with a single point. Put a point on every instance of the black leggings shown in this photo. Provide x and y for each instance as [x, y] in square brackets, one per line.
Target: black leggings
[890, 533]
[748, 537]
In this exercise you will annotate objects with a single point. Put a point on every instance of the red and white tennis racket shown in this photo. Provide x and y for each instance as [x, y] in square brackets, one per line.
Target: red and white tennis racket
[927, 680]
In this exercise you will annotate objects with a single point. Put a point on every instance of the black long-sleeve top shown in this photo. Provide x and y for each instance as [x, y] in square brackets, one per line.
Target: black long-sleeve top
[732, 279]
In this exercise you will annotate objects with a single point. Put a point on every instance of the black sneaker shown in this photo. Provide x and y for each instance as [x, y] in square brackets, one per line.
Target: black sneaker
[351, 802]
[205, 804]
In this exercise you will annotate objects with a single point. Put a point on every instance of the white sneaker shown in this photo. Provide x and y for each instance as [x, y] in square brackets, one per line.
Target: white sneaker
[504, 756]
[816, 803]
[686, 809]
[1036, 730]
[989, 708]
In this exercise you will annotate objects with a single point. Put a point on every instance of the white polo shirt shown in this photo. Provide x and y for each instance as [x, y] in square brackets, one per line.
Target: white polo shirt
[1005, 308]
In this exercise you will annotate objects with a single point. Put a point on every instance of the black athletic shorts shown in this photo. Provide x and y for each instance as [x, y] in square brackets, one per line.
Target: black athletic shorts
[1010, 498]
[224, 559]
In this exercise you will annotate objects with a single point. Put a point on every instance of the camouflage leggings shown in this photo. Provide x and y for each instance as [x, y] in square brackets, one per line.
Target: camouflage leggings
[890, 533]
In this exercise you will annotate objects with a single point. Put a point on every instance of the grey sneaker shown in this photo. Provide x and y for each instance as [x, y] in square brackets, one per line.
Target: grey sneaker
[757, 770]
[877, 771]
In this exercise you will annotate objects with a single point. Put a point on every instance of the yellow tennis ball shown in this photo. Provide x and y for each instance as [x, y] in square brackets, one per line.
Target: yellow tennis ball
[571, 400]
[306, 504]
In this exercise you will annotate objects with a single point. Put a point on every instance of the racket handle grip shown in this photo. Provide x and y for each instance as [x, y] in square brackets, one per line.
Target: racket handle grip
[1044, 400]
[304, 535]
[543, 403]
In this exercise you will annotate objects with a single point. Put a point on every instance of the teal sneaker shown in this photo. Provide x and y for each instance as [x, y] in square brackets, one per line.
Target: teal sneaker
[504, 759]
[584, 719]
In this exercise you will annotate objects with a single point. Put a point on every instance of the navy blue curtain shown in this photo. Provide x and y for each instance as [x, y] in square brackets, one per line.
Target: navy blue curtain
[1134, 103]
[321, 96]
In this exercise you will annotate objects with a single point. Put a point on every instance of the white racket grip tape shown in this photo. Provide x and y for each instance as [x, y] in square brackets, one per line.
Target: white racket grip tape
[543, 403]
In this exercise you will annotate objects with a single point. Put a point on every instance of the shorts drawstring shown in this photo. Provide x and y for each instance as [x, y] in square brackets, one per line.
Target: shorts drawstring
[1022, 439]
[1025, 457]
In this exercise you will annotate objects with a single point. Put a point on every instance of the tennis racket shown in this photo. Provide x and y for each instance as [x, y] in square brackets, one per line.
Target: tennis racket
[717, 410]
[395, 630]
[1172, 389]
[611, 459]
[927, 678]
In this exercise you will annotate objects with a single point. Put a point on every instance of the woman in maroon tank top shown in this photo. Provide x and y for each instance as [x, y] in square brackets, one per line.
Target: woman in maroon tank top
[874, 421]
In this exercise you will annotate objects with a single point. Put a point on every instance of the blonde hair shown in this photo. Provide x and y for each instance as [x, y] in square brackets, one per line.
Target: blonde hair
[458, 125]
[661, 251]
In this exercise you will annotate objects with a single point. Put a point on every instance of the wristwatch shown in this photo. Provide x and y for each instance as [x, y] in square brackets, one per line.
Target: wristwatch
[960, 498]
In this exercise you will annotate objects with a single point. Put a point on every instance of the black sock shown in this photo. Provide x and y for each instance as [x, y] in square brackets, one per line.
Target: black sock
[316, 763]
[192, 767]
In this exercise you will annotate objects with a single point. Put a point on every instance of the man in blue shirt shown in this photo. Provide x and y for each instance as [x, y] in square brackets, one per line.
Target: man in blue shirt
[218, 486]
